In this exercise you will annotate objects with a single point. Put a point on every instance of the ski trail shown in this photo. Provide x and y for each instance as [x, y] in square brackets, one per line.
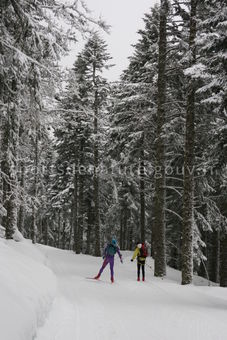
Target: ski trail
[62, 322]
[157, 309]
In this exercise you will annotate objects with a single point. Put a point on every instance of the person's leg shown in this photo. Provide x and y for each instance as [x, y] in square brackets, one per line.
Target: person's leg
[138, 271]
[143, 271]
[112, 268]
[105, 262]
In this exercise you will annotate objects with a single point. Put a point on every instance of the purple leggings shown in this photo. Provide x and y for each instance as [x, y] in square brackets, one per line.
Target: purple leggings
[110, 260]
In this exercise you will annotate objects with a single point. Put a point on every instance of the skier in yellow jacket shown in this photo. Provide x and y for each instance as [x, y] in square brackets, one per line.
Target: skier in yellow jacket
[141, 254]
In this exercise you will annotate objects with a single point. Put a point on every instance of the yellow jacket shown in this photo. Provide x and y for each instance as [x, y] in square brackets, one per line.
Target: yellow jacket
[137, 254]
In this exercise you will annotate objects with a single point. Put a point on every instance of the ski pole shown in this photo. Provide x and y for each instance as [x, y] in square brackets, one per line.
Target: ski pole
[148, 266]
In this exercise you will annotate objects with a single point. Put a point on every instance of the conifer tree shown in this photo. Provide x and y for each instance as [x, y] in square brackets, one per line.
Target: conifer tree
[82, 107]
[160, 182]
[28, 37]
[188, 209]
[95, 58]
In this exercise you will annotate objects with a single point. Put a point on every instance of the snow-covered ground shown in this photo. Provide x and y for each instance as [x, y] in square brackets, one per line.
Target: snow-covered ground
[27, 290]
[86, 309]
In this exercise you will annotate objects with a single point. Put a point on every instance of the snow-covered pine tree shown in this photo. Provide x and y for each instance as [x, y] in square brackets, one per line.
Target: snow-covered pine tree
[188, 208]
[126, 149]
[80, 136]
[132, 131]
[212, 42]
[73, 148]
[29, 36]
[133, 115]
[96, 59]
[160, 182]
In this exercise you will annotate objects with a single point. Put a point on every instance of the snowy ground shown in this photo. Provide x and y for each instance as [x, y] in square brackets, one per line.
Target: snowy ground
[85, 309]
[27, 290]
[157, 309]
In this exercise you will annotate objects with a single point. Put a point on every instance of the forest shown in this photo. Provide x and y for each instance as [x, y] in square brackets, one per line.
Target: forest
[84, 159]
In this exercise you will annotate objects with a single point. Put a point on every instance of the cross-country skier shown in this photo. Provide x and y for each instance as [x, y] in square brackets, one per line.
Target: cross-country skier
[141, 254]
[108, 256]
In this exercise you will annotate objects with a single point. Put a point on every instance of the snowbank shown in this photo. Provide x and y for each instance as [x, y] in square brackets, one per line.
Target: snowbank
[27, 289]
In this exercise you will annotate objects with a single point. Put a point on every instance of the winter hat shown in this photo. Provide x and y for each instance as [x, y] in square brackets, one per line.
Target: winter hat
[114, 242]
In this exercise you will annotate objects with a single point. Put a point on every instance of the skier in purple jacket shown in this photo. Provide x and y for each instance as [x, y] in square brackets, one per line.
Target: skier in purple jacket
[109, 252]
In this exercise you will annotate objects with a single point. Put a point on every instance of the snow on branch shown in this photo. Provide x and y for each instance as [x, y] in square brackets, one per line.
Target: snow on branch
[24, 57]
[174, 212]
[197, 71]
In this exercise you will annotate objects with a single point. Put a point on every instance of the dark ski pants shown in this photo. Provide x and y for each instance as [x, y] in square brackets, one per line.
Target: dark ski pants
[141, 264]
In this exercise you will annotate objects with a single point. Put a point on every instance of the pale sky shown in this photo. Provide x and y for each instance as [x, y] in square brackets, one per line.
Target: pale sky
[125, 17]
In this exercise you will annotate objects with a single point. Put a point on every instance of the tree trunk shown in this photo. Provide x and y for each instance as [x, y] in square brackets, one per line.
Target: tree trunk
[125, 226]
[63, 238]
[46, 232]
[75, 211]
[159, 198]
[121, 228]
[21, 214]
[89, 226]
[96, 165]
[35, 191]
[223, 261]
[214, 256]
[70, 243]
[142, 196]
[59, 228]
[9, 165]
[130, 236]
[188, 197]
[81, 203]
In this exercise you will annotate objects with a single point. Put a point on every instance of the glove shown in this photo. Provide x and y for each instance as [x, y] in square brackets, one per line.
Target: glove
[121, 260]
[103, 257]
[131, 260]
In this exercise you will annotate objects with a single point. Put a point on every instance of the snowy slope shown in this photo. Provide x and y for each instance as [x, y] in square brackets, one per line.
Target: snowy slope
[157, 309]
[27, 290]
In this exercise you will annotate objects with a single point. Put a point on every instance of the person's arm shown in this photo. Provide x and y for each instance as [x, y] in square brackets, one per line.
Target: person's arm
[136, 252]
